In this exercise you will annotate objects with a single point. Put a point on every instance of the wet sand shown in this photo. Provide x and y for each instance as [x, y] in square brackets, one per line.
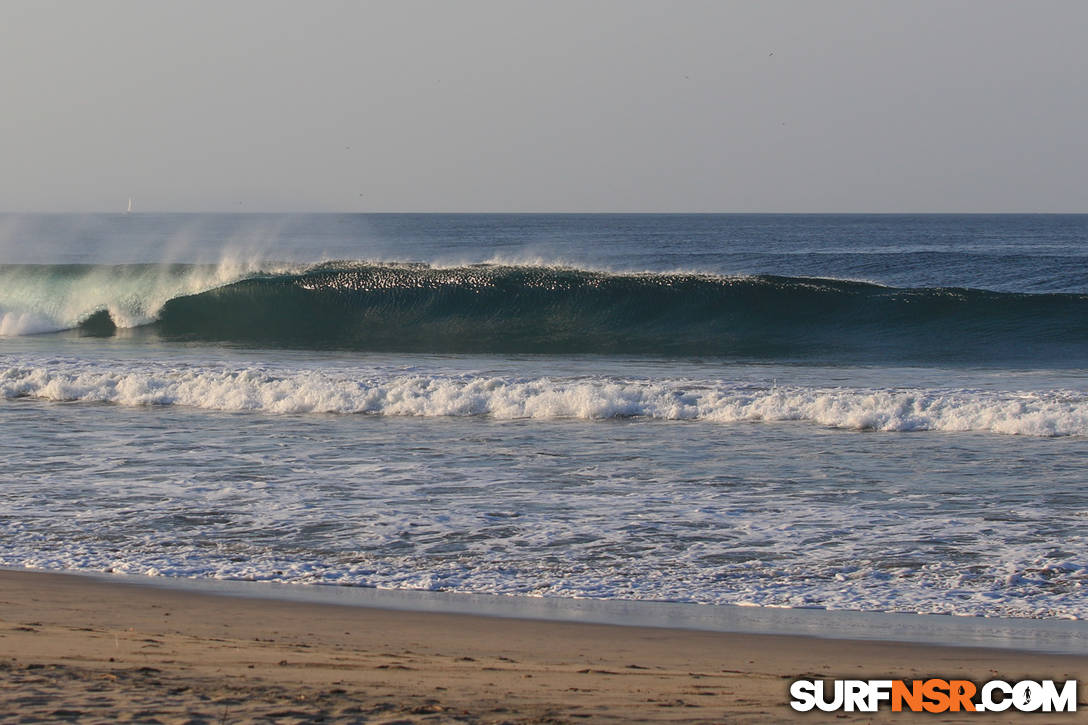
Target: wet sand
[85, 650]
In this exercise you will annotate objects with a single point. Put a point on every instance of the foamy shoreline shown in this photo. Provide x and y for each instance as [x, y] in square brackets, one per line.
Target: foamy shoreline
[1044, 636]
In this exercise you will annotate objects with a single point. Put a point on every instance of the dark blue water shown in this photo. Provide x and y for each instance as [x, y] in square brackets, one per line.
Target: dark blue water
[1006, 252]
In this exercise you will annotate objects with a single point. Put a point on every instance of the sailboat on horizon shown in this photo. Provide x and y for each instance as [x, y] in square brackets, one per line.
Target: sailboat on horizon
[130, 209]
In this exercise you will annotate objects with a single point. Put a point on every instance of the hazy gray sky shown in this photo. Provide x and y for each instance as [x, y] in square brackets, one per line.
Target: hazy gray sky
[544, 106]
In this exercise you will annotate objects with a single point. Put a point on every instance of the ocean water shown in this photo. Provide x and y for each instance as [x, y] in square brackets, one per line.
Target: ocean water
[882, 413]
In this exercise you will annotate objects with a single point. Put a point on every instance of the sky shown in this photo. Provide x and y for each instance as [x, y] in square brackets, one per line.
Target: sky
[544, 106]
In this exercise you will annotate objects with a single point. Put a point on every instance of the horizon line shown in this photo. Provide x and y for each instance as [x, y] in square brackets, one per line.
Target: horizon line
[542, 213]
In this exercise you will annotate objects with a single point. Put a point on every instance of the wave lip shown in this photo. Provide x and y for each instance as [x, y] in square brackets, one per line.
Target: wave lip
[1050, 413]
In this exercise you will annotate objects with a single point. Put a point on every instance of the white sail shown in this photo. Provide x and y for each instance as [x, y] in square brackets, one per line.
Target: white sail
[129, 210]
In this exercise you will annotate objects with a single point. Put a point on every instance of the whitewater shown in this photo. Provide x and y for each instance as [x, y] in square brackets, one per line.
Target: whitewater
[270, 390]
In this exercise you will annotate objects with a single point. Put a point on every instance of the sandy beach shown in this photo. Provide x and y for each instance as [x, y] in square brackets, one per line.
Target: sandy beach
[79, 649]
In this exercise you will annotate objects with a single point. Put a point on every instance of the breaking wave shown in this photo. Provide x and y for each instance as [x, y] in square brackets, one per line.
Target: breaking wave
[548, 310]
[1048, 413]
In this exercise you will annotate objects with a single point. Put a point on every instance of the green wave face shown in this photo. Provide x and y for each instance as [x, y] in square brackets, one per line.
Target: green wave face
[548, 310]
[538, 310]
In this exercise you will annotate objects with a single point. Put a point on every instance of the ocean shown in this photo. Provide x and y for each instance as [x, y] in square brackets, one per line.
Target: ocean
[885, 413]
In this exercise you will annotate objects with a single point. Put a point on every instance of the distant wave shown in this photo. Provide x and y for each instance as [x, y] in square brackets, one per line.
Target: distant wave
[548, 310]
[1048, 413]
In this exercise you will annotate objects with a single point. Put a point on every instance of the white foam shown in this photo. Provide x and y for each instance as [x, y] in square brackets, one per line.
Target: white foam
[1039, 413]
[1027, 586]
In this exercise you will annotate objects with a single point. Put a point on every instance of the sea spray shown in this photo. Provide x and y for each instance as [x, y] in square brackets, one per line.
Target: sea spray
[45, 298]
